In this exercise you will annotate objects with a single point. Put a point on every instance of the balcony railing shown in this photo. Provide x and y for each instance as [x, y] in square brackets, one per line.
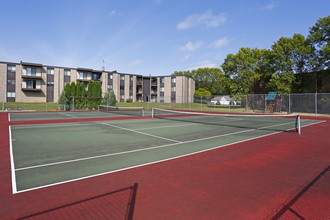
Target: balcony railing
[38, 76]
[32, 89]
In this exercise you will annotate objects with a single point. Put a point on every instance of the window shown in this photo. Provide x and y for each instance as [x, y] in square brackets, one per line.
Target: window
[67, 73]
[122, 77]
[110, 76]
[122, 87]
[161, 89]
[122, 97]
[50, 71]
[131, 78]
[50, 83]
[82, 75]
[31, 71]
[11, 69]
[162, 80]
[31, 84]
[96, 77]
[173, 80]
[10, 82]
[110, 87]
[11, 94]
[173, 89]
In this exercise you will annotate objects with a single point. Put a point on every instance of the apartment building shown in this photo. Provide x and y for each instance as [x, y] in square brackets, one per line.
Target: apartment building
[33, 82]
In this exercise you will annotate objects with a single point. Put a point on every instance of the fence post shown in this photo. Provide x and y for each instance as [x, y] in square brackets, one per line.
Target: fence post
[265, 104]
[73, 104]
[289, 103]
[315, 103]
[3, 101]
[247, 104]
[201, 103]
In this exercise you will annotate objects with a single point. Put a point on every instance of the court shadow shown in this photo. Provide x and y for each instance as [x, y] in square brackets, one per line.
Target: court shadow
[293, 209]
[118, 204]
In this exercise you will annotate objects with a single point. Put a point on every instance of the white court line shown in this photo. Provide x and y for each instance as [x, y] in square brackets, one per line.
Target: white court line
[12, 164]
[67, 115]
[49, 126]
[167, 126]
[8, 116]
[151, 135]
[154, 162]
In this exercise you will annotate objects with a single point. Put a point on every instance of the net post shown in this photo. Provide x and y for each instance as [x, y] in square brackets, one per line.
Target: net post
[298, 124]
[98, 108]
[152, 113]
[142, 112]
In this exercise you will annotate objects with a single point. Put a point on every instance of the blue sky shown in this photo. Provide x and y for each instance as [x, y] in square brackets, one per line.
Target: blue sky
[145, 37]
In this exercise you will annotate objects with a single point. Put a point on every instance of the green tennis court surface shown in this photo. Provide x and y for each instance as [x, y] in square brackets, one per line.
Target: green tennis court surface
[47, 154]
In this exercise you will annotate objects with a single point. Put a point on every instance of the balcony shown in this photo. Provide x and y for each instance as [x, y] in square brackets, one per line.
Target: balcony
[31, 85]
[31, 90]
[32, 76]
[83, 79]
[153, 82]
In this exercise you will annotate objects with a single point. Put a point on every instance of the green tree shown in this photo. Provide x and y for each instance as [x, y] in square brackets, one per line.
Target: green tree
[320, 37]
[62, 100]
[211, 79]
[89, 95]
[82, 90]
[248, 71]
[290, 56]
[112, 98]
[106, 98]
[67, 90]
[78, 99]
[97, 93]
[202, 92]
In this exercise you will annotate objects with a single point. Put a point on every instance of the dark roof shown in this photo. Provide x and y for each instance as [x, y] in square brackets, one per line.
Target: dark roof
[31, 64]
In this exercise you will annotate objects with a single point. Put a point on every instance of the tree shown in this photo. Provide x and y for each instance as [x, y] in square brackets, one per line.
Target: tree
[202, 92]
[67, 90]
[62, 100]
[106, 98]
[320, 37]
[248, 71]
[78, 99]
[211, 79]
[290, 56]
[82, 90]
[112, 98]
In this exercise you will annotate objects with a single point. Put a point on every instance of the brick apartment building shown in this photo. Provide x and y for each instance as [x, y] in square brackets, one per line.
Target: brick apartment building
[33, 82]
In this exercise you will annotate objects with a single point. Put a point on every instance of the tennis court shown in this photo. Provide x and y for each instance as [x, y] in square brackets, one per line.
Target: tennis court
[48, 154]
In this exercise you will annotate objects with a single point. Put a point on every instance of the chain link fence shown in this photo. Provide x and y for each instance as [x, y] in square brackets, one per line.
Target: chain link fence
[304, 103]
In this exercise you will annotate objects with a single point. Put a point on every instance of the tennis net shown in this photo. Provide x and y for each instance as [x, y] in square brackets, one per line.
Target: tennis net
[133, 111]
[257, 122]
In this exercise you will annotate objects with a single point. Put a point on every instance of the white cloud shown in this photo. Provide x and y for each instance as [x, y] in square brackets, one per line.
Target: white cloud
[112, 13]
[185, 58]
[190, 46]
[206, 18]
[270, 6]
[220, 42]
[158, 2]
[203, 64]
[135, 62]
